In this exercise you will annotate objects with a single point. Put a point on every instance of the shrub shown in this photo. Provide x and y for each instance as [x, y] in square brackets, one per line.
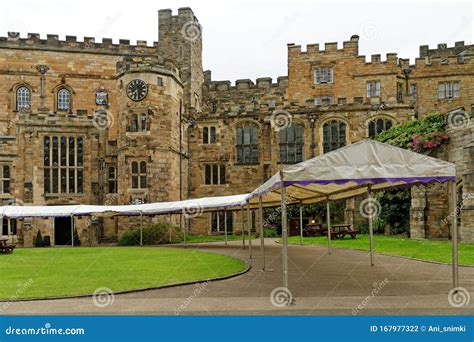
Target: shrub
[269, 232]
[152, 235]
[39, 242]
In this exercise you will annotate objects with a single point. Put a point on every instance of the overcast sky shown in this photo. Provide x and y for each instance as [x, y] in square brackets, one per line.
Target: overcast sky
[247, 39]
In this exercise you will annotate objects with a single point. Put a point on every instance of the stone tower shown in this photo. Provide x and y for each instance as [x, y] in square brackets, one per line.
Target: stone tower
[148, 139]
[180, 39]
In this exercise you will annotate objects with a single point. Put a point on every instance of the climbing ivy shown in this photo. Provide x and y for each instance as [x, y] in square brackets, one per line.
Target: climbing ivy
[424, 136]
[421, 135]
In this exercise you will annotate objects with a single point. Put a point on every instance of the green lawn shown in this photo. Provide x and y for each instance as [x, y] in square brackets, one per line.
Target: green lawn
[78, 271]
[420, 249]
[214, 238]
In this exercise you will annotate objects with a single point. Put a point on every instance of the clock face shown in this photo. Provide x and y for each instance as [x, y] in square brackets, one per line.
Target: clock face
[137, 90]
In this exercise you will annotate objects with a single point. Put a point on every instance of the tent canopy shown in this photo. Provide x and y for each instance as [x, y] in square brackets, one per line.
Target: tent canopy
[191, 207]
[350, 171]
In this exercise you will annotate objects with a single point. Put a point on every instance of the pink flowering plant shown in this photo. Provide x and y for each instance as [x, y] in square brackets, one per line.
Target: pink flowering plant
[428, 142]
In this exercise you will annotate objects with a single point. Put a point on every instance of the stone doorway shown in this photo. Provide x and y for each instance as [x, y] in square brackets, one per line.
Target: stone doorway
[62, 231]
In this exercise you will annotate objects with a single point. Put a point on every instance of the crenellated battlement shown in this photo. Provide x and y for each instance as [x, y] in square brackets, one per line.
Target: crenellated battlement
[247, 84]
[156, 64]
[442, 50]
[350, 47]
[72, 44]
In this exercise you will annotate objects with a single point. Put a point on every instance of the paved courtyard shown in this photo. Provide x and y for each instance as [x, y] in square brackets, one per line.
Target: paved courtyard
[321, 284]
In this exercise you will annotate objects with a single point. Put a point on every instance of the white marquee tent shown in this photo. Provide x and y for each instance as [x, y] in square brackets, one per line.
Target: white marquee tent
[353, 170]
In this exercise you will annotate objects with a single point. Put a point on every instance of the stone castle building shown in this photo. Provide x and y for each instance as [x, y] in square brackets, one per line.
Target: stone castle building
[84, 122]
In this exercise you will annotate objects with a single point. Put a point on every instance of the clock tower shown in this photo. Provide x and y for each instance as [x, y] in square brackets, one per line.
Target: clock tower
[150, 97]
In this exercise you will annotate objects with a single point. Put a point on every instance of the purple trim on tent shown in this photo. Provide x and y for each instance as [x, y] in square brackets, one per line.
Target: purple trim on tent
[361, 181]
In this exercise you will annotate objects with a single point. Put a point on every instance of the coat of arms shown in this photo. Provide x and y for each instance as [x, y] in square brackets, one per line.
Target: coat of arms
[101, 96]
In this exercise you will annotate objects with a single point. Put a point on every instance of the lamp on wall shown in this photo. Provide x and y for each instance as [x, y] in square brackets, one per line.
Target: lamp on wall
[312, 117]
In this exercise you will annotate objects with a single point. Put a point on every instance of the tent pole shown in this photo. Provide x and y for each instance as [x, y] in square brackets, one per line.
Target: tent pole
[301, 224]
[262, 238]
[284, 231]
[371, 230]
[328, 214]
[225, 225]
[249, 226]
[141, 228]
[454, 234]
[243, 227]
[184, 235]
[72, 230]
[171, 227]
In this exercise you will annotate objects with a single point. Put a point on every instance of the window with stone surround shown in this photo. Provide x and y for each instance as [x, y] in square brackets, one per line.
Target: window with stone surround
[323, 75]
[334, 135]
[63, 164]
[209, 135]
[5, 184]
[9, 227]
[139, 123]
[218, 220]
[247, 144]
[139, 175]
[413, 93]
[379, 125]
[63, 100]
[373, 88]
[144, 122]
[323, 99]
[448, 90]
[214, 174]
[291, 144]
[112, 179]
[399, 92]
[23, 99]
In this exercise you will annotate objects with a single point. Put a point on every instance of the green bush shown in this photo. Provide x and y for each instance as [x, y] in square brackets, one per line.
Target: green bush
[269, 232]
[152, 235]
[39, 242]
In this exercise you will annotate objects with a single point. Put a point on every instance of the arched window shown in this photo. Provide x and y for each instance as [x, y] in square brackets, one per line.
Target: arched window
[247, 144]
[23, 99]
[291, 144]
[334, 135]
[205, 135]
[134, 123]
[378, 126]
[64, 100]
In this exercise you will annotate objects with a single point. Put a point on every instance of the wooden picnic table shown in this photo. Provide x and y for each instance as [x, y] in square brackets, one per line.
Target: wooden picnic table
[313, 229]
[339, 231]
[5, 248]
